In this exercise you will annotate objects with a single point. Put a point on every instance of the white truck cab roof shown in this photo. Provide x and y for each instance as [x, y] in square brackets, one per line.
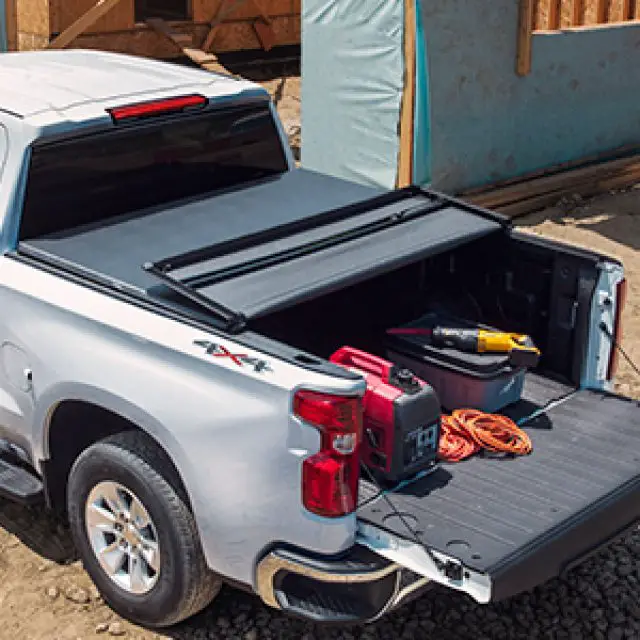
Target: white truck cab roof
[61, 82]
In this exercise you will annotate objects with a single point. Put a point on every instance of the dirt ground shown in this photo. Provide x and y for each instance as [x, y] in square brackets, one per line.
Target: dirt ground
[45, 594]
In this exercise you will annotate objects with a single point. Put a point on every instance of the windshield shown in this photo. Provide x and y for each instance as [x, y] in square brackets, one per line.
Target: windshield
[124, 170]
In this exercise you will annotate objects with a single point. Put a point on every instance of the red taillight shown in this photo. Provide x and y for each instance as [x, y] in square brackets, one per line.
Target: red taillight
[621, 299]
[157, 107]
[330, 477]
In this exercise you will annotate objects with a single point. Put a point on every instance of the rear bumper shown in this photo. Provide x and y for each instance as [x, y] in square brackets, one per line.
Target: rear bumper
[359, 586]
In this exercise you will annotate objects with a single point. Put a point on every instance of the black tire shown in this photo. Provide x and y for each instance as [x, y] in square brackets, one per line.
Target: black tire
[185, 584]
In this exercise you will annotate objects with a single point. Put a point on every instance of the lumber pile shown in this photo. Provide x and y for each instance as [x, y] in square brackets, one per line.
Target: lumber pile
[534, 192]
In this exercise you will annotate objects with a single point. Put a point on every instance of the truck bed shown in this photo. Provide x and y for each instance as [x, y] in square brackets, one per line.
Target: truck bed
[520, 519]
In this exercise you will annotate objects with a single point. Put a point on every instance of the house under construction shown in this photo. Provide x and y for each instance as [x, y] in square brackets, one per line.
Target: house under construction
[154, 28]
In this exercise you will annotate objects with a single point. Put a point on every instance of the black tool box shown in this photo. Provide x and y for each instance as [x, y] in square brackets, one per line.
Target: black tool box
[484, 381]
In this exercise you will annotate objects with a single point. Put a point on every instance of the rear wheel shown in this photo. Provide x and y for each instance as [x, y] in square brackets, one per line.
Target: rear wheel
[135, 533]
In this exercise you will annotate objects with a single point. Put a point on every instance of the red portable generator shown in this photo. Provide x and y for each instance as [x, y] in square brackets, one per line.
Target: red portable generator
[401, 417]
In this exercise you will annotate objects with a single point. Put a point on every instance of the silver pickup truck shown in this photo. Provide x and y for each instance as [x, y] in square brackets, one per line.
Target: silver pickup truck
[171, 287]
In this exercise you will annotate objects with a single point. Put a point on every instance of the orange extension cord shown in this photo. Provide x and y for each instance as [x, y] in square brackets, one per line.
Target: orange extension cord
[466, 431]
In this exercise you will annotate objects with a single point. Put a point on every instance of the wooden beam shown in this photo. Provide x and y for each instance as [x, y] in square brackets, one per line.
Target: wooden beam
[580, 163]
[265, 34]
[525, 36]
[82, 23]
[407, 108]
[555, 9]
[627, 9]
[263, 27]
[217, 20]
[576, 13]
[563, 181]
[11, 19]
[206, 60]
[602, 11]
[264, 14]
[544, 192]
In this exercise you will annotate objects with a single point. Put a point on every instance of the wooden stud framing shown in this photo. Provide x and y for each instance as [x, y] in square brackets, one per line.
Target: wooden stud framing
[82, 23]
[576, 13]
[525, 37]
[11, 19]
[555, 9]
[602, 11]
[627, 9]
[407, 110]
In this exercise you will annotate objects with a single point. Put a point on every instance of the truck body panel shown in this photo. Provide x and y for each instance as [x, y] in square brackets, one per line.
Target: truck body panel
[238, 425]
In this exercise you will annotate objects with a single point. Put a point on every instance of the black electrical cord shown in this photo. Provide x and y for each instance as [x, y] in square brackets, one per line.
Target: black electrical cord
[440, 565]
[605, 329]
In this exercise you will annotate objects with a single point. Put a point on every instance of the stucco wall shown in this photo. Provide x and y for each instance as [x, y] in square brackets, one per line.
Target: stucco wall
[487, 123]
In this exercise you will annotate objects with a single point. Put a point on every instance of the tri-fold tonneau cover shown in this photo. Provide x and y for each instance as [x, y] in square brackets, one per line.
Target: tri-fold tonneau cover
[265, 246]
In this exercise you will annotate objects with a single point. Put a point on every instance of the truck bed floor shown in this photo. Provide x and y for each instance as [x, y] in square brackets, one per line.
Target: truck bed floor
[491, 512]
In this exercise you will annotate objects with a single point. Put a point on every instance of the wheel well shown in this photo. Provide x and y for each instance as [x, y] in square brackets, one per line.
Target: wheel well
[74, 426]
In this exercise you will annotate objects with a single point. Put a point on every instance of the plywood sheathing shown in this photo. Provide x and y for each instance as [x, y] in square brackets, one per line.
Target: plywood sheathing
[236, 36]
[32, 23]
[41, 20]
[82, 24]
[65, 12]
[205, 10]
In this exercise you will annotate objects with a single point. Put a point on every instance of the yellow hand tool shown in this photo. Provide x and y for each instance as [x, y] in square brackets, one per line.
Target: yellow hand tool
[521, 348]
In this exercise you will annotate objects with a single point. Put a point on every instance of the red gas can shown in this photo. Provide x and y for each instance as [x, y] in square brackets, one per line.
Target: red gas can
[401, 417]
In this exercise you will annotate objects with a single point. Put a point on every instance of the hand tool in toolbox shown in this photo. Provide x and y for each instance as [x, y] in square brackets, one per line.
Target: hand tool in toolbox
[401, 417]
[521, 348]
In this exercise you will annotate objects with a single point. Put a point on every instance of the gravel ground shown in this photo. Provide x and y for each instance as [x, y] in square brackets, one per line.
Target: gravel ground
[598, 600]
[42, 599]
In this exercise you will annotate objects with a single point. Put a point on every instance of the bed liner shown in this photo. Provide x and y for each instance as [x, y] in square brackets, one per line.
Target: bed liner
[525, 520]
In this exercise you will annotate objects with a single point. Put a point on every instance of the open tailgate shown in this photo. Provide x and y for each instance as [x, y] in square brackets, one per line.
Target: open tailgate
[508, 525]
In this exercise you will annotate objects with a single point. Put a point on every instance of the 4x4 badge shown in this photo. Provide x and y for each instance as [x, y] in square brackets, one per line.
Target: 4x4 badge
[241, 359]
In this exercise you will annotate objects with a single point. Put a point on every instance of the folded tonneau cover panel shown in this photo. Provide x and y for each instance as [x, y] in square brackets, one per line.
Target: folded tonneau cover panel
[267, 290]
[524, 520]
[358, 231]
[119, 247]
